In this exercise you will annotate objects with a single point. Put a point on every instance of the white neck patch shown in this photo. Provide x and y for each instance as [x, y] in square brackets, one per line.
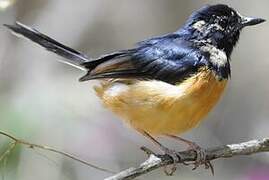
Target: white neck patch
[217, 56]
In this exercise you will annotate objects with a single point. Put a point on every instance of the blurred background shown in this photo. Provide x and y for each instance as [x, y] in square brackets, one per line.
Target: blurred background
[41, 100]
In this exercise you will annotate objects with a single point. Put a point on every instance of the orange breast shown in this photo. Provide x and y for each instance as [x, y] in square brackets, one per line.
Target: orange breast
[160, 108]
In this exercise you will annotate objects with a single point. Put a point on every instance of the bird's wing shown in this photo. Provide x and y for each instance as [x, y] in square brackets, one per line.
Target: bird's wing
[166, 59]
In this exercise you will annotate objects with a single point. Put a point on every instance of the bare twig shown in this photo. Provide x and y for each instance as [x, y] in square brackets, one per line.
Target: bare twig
[8, 151]
[226, 151]
[47, 148]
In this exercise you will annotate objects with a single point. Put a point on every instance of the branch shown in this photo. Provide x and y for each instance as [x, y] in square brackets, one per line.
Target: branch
[226, 151]
[17, 141]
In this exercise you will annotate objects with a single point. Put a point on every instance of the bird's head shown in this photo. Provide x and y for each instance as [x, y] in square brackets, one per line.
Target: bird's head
[218, 25]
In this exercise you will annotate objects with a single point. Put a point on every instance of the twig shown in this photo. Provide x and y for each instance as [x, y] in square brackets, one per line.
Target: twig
[226, 151]
[47, 148]
[11, 146]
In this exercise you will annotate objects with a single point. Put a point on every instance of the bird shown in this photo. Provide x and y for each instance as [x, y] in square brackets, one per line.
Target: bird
[164, 85]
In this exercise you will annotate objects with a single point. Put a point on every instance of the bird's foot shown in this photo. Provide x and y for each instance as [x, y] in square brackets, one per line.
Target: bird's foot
[169, 170]
[201, 154]
[200, 158]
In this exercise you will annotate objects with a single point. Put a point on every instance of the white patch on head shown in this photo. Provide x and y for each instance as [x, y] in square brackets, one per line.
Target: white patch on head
[202, 27]
[116, 89]
[217, 56]
[199, 25]
[217, 26]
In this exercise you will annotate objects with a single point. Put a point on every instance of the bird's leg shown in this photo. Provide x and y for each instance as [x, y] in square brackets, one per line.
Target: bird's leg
[173, 154]
[201, 154]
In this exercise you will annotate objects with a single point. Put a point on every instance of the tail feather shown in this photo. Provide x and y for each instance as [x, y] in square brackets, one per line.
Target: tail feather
[114, 65]
[71, 56]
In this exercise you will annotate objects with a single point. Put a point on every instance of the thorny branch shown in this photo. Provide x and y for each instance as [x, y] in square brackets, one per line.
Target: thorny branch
[156, 161]
[47, 148]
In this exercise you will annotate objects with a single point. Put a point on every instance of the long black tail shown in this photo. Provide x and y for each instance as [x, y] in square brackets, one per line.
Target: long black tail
[71, 56]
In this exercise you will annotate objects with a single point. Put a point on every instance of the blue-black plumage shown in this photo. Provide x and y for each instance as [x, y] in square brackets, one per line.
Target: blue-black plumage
[206, 39]
[164, 85]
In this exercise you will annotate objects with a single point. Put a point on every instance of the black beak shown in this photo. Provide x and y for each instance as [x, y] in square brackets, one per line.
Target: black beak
[251, 21]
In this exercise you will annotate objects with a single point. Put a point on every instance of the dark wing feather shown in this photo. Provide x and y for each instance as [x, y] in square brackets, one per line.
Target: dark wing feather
[166, 58]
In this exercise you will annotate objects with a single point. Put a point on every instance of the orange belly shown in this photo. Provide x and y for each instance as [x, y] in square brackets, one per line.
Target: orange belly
[161, 108]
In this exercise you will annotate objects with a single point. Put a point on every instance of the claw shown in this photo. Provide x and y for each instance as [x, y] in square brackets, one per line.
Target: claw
[201, 158]
[170, 169]
[201, 154]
